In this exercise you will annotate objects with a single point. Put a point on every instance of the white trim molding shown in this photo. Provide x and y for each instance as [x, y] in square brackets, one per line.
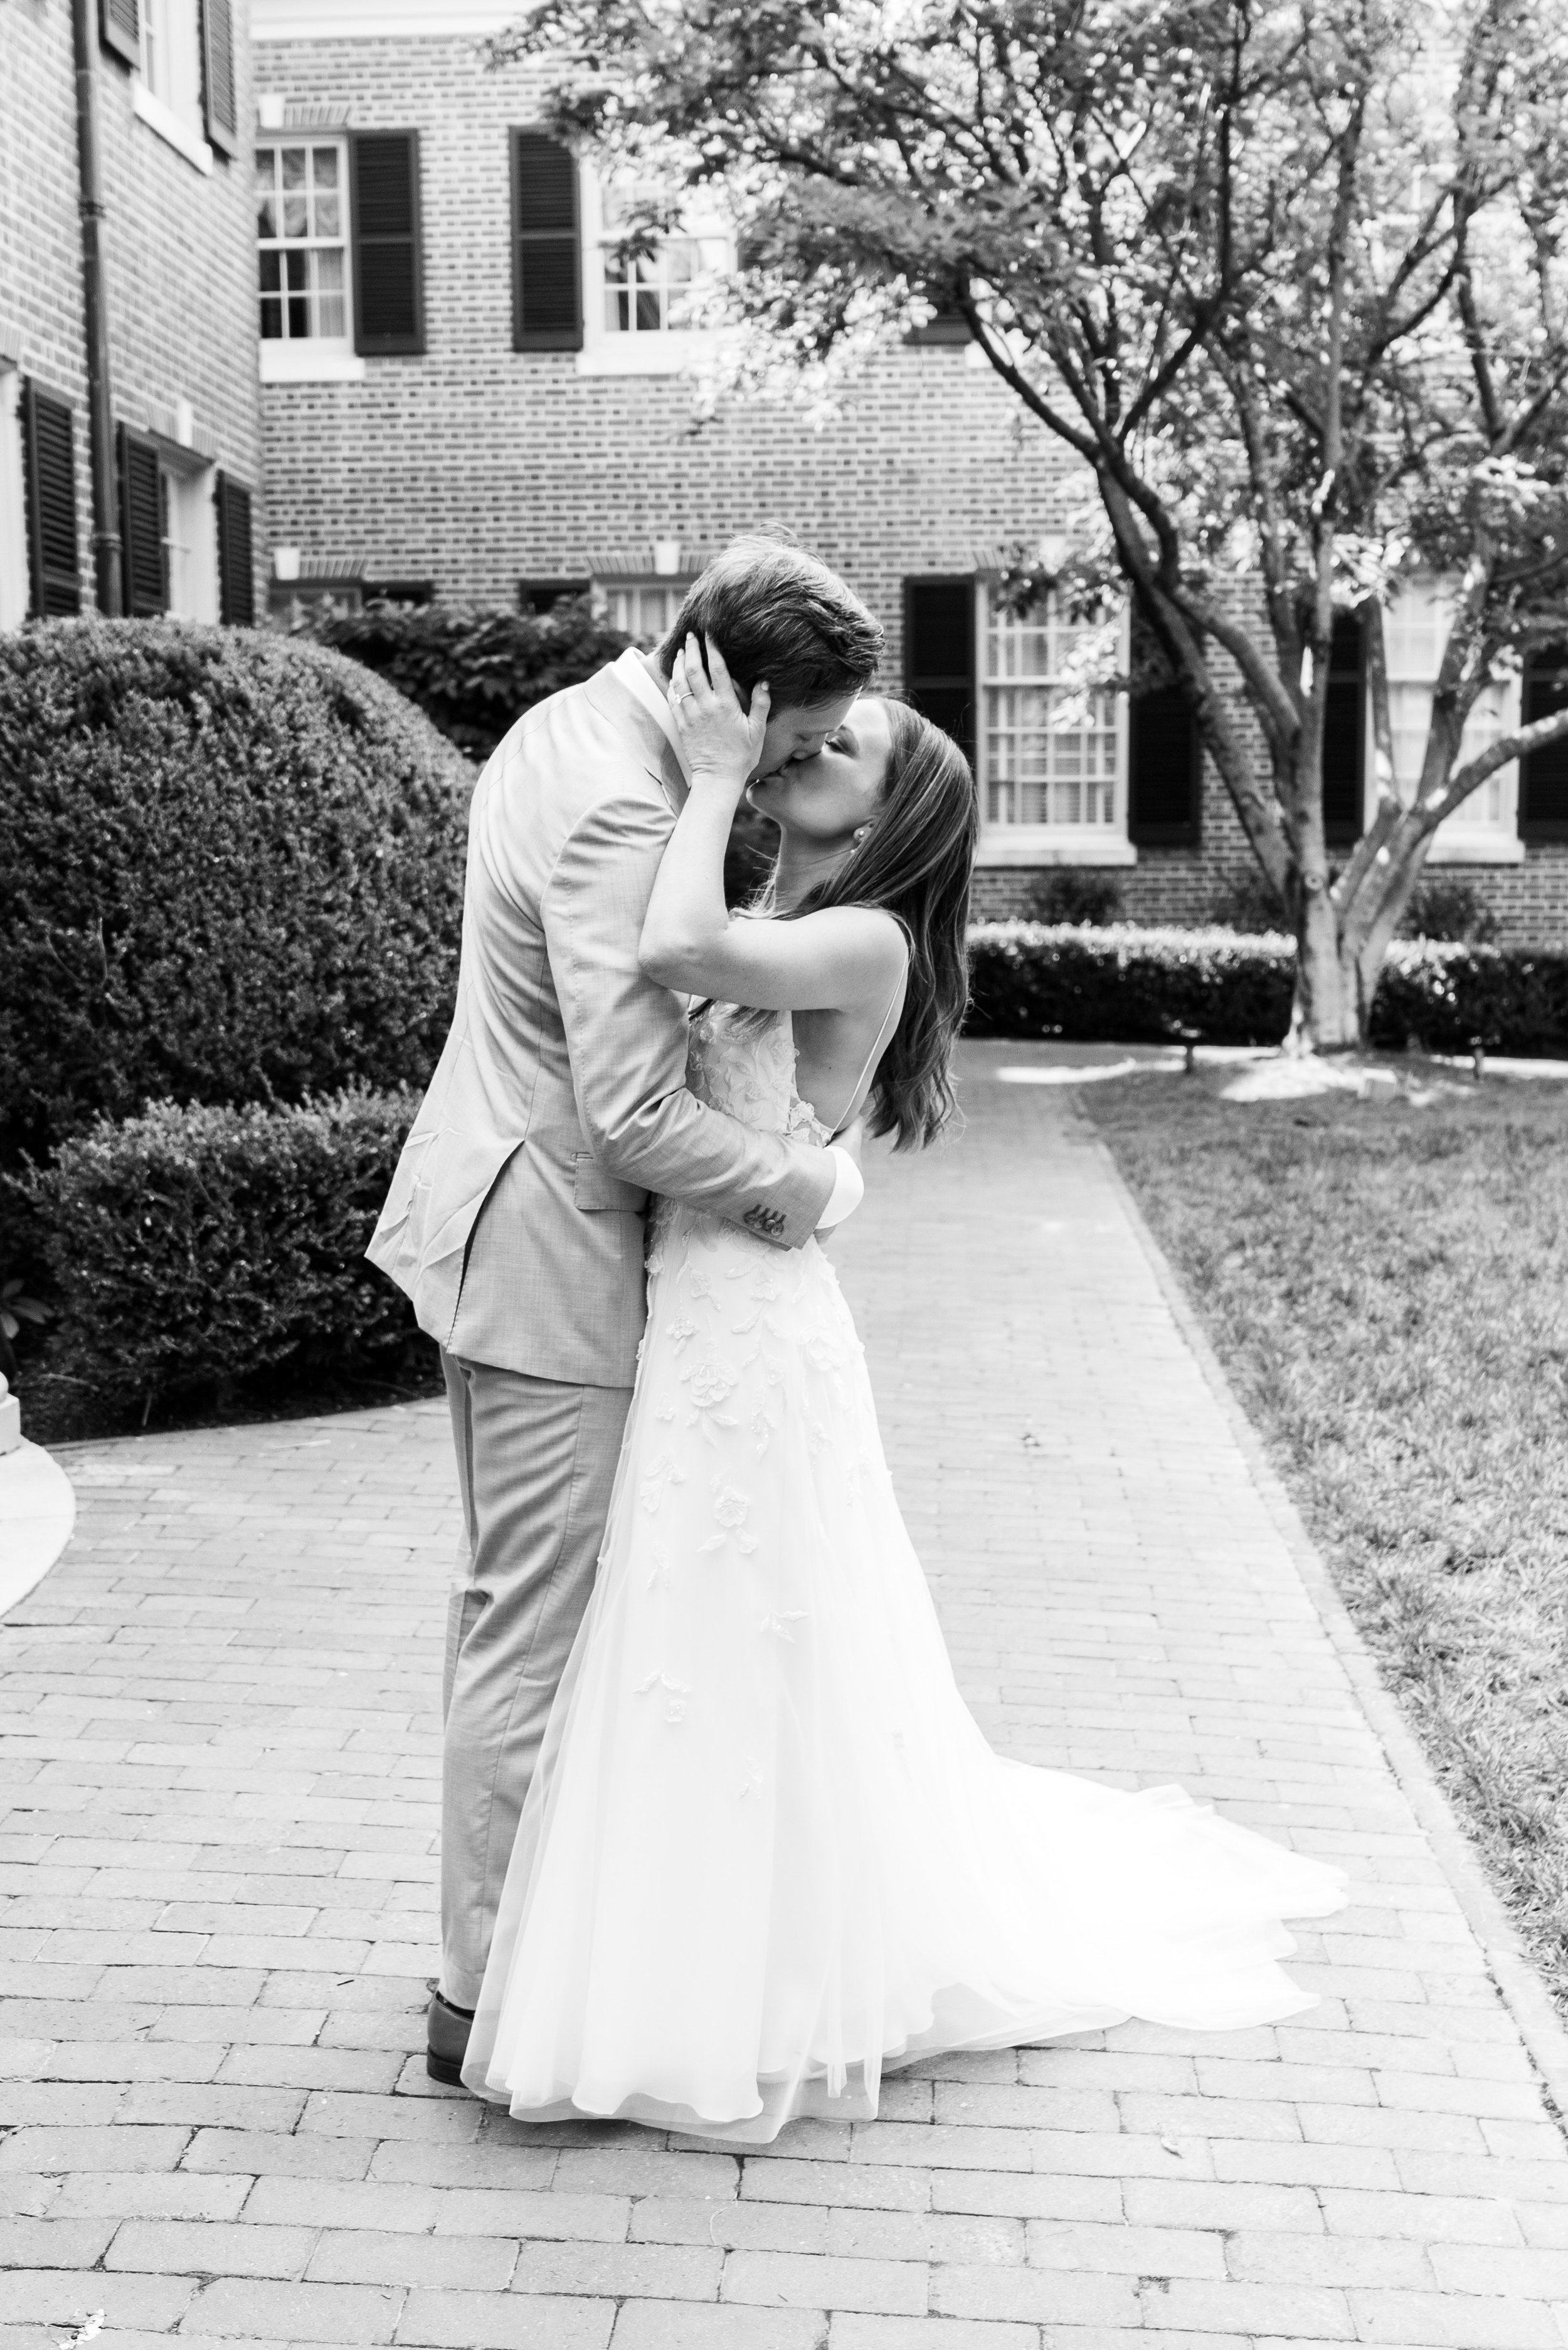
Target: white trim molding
[169, 127]
[1043, 844]
[302, 363]
[377, 20]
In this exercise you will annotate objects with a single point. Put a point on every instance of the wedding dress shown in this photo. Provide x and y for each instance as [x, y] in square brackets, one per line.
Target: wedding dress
[767, 1853]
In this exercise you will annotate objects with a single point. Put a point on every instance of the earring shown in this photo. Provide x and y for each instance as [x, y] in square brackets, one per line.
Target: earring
[859, 833]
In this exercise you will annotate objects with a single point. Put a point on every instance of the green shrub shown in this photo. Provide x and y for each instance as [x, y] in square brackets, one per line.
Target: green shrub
[1137, 986]
[1129, 985]
[1450, 909]
[1089, 900]
[231, 869]
[1247, 902]
[472, 673]
[193, 1246]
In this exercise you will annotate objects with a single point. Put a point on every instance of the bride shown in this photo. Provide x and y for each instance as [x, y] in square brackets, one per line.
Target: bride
[767, 1853]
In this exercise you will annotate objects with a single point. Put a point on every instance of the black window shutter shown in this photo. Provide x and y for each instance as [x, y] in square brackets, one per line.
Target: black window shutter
[236, 569]
[1165, 758]
[939, 655]
[1345, 735]
[948, 324]
[49, 458]
[1544, 774]
[119, 29]
[546, 248]
[146, 573]
[220, 103]
[389, 274]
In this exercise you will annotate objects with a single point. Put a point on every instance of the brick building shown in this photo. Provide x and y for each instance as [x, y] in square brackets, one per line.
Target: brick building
[463, 392]
[174, 111]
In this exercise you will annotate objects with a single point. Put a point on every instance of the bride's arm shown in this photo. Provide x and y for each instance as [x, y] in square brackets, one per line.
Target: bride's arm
[842, 959]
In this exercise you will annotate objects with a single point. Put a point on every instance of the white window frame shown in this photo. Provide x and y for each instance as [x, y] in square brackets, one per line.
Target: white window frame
[612, 591]
[1006, 843]
[309, 359]
[166, 91]
[16, 583]
[1484, 831]
[666, 351]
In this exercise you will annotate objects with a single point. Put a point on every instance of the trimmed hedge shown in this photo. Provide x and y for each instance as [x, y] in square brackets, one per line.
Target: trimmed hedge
[472, 673]
[231, 869]
[1150, 986]
[193, 1246]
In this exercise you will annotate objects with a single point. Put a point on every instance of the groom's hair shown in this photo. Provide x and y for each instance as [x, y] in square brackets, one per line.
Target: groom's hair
[775, 612]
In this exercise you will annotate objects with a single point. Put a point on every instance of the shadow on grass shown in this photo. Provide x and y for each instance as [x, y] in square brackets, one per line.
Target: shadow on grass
[1388, 1289]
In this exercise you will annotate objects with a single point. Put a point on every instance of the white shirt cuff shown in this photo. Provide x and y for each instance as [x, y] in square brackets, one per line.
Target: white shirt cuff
[848, 1189]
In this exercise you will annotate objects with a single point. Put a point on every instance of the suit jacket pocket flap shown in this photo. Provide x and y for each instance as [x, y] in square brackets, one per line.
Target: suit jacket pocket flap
[595, 1188]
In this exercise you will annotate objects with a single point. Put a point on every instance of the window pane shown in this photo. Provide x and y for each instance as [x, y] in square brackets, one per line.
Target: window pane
[266, 168]
[298, 268]
[299, 319]
[648, 318]
[296, 216]
[271, 318]
[325, 160]
[266, 216]
[294, 167]
[326, 211]
[271, 269]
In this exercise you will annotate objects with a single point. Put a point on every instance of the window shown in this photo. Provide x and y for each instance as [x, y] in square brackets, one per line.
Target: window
[641, 608]
[49, 479]
[185, 87]
[939, 654]
[1485, 828]
[636, 304]
[236, 561]
[643, 290]
[546, 305]
[1543, 797]
[418, 592]
[302, 233]
[1053, 756]
[541, 595]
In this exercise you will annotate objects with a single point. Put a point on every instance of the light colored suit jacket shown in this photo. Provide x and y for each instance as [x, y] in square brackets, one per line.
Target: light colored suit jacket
[560, 1103]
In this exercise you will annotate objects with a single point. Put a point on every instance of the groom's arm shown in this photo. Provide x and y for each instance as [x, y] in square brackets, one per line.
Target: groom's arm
[625, 1040]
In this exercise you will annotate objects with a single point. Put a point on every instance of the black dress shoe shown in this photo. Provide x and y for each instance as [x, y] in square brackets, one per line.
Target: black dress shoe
[446, 2039]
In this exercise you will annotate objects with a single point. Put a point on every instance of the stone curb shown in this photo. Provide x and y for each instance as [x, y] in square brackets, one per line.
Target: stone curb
[1512, 1969]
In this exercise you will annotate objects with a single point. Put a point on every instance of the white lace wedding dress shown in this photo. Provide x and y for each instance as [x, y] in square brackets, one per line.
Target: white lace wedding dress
[768, 1854]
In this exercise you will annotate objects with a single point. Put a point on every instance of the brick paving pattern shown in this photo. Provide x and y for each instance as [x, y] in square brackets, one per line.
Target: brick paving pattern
[219, 1868]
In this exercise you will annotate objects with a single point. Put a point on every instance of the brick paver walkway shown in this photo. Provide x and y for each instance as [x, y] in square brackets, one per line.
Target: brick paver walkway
[220, 1865]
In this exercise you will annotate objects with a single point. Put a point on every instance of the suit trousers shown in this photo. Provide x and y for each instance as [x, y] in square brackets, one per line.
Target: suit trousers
[536, 1461]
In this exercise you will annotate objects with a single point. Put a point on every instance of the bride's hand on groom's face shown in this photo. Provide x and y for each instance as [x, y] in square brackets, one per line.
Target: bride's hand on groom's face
[723, 742]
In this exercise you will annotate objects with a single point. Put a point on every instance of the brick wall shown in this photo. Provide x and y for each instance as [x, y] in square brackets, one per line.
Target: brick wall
[477, 466]
[179, 251]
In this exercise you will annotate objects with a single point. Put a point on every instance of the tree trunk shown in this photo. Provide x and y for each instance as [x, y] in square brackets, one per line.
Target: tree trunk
[1329, 1014]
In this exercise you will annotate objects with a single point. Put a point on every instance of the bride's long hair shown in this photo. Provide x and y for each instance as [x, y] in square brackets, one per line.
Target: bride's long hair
[915, 862]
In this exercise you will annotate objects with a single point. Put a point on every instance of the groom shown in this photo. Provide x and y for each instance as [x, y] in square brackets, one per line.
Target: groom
[515, 1217]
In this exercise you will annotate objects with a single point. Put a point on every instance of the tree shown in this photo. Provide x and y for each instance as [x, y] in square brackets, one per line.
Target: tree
[1292, 280]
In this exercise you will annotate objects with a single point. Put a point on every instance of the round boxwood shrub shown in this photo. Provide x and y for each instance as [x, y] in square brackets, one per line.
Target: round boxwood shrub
[231, 871]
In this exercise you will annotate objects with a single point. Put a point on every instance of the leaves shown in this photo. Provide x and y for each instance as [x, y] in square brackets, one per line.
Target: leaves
[233, 871]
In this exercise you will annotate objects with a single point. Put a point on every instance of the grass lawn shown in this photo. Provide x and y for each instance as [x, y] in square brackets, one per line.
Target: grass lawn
[1388, 1288]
